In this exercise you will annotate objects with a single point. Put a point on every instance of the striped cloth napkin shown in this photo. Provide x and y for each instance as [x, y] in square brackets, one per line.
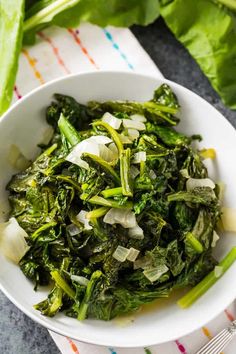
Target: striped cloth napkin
[59, 52]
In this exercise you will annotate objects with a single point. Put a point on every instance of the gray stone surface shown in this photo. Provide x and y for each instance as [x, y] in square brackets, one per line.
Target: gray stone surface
[18, 333]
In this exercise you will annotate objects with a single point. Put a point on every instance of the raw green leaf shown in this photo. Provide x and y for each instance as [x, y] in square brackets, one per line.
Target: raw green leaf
[11, 22]
[210, 37]
[66, 13]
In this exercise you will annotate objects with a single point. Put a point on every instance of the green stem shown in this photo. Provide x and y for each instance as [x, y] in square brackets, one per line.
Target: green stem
[47, 13]
[42, 228]
[114, 135]
[112, 192]
[68, 131]
[97, 213]
[160, 107]
[89, 291]
[125, 173]
[69, 180]
[208, 281]
[142, 168]
[106, 202]
[62, 284]
[105, 165]
[197, 246]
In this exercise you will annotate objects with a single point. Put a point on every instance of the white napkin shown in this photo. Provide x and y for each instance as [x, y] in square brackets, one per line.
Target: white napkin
[59, 52]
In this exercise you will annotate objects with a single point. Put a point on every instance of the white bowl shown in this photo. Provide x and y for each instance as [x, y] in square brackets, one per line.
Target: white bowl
[24, 125]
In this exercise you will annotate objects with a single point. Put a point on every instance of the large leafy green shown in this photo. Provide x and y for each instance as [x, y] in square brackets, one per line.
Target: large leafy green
[11, 22]
[66, 13]
[210, 37]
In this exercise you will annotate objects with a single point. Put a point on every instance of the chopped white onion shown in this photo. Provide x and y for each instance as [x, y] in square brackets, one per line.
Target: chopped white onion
[152, 174]
[113, 148]
[124, 217]
[84, 146]
[73, 230]
[218, 271]
[229, 219]
[111, 120]
[138, 118]
[106, 154]
[125, 139]
[81, 217]
[12, 240]
[133, 254]
[121, 253]
[222, 188]
[133, 134]
[184, 173]
[99, 139]
[134, 172]
[154, 274]
[139, 157]
[215, 239]
[17, 159]
[79, 279]
[143, 263]
[91, 146]
[129, 123]
[136, 232]
[199, 182]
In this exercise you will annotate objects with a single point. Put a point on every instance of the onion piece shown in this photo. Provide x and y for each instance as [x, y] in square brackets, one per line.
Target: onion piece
[106, 154]
[133, 134]
[17, 159]
[81, 217]
[136, 232]
[152, 175]
[199, 182]
[139, 157]
[111, 120]
[228, 219]
[124, 217]
[12, 240]
[113, 148]
[134, 172]
[99, 139]
[73, 230]
[129, 123]
[125, 139]
[222, 187]
[144, 263]
[121, 253]
[138, 118]
[184, 173]
[79, 279]
[215, 239]
[218, 271]
[133, 254]
[91, 146]
[153, 274]
[84, 146]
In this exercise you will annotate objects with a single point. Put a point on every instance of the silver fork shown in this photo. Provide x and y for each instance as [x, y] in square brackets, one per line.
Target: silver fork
[220, 341]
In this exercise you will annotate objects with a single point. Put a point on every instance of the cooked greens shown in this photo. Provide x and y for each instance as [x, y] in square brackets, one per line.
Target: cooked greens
[111, 219]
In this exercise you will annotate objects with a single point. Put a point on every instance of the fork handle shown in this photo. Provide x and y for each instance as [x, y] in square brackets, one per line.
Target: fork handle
[220, 341]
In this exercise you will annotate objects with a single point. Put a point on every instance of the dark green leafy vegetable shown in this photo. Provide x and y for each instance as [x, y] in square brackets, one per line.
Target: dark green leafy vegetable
[79, 206]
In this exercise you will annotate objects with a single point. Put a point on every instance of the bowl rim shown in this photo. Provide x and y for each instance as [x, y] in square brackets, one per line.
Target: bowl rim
[40, 320]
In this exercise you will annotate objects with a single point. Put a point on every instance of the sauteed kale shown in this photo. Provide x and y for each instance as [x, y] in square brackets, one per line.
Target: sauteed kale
[118, 208]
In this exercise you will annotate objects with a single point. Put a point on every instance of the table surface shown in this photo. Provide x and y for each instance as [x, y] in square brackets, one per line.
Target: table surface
[18, 333]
